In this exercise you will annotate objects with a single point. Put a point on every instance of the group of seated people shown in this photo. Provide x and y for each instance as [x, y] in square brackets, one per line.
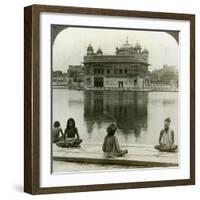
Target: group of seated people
[111, 147]
[70, 137]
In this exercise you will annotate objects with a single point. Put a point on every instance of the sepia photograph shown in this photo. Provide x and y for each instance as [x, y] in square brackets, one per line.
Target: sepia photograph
[114, 99]
[109, 99]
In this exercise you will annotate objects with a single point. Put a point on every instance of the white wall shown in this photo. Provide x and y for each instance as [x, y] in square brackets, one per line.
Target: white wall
[11, 101]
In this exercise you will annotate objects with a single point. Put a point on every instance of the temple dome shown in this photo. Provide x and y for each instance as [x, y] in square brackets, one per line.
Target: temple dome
[126, 46]
[125, 49]
[90, 48]
[138, 46]
[145, 51]
[99, 51]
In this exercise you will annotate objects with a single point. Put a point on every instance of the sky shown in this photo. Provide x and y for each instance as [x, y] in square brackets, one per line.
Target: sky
[71, 44]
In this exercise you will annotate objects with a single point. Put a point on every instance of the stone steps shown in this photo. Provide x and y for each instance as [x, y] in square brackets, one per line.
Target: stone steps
[138, 156]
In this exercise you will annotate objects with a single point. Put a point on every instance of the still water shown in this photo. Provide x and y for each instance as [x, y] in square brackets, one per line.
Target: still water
[138, 115]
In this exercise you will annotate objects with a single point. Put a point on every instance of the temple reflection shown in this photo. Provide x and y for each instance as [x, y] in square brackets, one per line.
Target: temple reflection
[127, 109]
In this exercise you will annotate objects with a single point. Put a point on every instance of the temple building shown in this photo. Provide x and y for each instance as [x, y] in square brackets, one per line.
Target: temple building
[128, 68]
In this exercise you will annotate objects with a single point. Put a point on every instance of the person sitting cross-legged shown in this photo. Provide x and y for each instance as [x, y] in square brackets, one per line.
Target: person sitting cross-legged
[111, 147]
[57, 133]
[71, 136]
[166, 139]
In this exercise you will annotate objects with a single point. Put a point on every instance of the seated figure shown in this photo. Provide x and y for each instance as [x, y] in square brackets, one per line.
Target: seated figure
[166, 139]
[57, 133]
[71, 136]
[111, 147]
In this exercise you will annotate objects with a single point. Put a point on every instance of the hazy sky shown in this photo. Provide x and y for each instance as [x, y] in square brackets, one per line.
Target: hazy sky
[70, 45]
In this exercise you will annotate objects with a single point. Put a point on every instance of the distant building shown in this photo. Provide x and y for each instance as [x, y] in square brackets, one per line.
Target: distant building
[169, 68]
[128, 68]
[60, 79]
[168, 75]
[76, 72]
[77, 68]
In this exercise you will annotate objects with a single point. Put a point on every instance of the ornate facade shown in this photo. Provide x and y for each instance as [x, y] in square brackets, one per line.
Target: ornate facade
[128, 68]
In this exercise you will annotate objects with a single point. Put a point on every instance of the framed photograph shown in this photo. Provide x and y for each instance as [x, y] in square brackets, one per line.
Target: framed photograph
[109, 99]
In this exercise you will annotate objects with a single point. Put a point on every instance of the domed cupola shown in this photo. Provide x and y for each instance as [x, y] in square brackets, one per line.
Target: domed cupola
[138, 47]
[125, 49]
[99, 52]
[90, 50]
[145, 51]
[126, 45]
[145, 54]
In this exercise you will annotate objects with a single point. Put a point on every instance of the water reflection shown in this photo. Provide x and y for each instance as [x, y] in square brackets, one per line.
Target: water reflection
[139, 116]
[127, 109]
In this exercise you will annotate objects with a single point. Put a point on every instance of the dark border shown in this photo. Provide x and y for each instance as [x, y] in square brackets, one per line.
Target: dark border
[32, 93]
[173, 33]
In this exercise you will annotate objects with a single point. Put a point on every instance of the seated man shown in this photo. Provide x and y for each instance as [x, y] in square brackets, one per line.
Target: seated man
[57, 133]
[166, 139]
[71, 136]
[111, 145]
